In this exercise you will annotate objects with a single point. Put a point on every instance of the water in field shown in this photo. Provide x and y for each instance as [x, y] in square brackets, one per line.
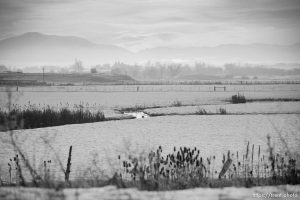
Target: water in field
[122, 96]
[213, 135]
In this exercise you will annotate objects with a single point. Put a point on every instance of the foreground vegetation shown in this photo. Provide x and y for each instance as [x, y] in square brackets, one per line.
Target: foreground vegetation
[182, 168]
[185, 168]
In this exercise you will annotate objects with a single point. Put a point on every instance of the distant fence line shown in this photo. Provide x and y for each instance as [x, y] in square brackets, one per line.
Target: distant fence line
[154, 88]
[212, 82]
[6, 82]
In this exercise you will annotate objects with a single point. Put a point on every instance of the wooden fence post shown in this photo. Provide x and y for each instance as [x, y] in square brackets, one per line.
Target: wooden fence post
[67, 173]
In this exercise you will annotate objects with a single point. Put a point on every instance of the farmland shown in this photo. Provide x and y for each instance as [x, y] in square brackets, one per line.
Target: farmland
[140, 100]
[174, 120]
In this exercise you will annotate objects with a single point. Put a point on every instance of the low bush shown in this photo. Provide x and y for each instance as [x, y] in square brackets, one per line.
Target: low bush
[222, 111]
[238, 98]
[201, 111]
[177, 103]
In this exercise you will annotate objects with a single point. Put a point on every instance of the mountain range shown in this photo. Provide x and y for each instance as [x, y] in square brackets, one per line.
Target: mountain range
[38, 49]
[35, 48]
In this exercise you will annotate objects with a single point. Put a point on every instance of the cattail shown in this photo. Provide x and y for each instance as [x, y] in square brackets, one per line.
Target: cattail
[247, 151]
[258, 158]
[244, 168]
[208, 161]
[252, 158]
[9, 172]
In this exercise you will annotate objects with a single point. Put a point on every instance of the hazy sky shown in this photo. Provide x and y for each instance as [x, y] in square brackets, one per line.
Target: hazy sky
[139, 24]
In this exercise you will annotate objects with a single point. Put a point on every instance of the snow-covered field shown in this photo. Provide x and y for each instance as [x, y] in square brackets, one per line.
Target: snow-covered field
[111, 193]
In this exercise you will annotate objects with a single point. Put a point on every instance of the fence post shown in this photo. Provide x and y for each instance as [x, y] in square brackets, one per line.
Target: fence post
[67, 173]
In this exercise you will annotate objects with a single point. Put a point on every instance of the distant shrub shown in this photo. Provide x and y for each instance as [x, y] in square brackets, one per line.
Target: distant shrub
[222, 111]
[238, 98]
[201, 111]
[177, 103]
[136, 108]
[93, 70]
[66, 84]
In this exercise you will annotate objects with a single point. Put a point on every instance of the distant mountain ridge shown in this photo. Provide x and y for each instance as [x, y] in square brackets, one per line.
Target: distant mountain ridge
[32, 38]
[38, 48]
[35, 48]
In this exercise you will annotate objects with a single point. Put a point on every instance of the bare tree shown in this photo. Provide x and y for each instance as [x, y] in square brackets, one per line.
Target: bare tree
[77, 66]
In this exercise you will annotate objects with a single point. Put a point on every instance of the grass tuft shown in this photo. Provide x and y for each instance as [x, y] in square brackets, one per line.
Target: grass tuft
[238, 98]
[177, 103]
[201, 111]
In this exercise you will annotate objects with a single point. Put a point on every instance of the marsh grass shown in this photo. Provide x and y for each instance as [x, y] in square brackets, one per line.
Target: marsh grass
[138, 108]
[238, 98]
[182, 168]
[32, 116]
[142, 107]
[273, 100]
[201, 111]
[222, 111]
[177, 103]
[186, 168]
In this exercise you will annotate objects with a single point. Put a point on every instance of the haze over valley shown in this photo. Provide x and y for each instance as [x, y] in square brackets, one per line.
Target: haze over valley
[37, 49]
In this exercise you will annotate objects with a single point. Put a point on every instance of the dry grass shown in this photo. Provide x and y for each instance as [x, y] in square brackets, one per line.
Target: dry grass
[238, 98]
[182, 168]
[185, 168]
[32, 116]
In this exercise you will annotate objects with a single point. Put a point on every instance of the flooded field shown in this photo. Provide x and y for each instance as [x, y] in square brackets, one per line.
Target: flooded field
[149, 99]
[122, 96]
[214, 135]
